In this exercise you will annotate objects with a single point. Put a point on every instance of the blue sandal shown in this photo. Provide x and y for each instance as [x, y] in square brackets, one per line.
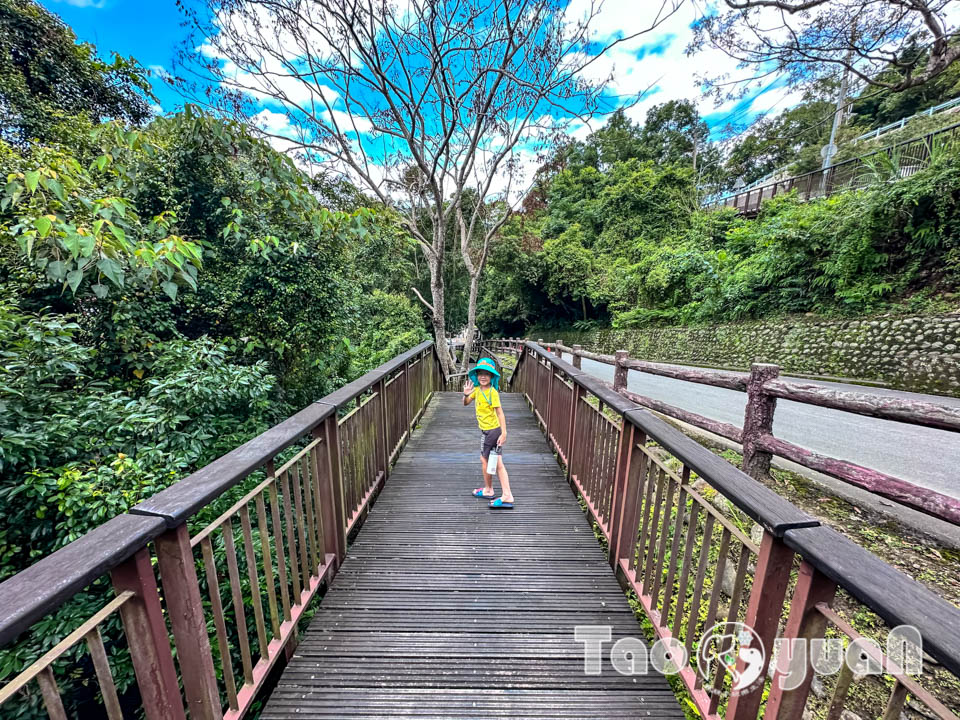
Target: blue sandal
[501, 504]
[479, 493]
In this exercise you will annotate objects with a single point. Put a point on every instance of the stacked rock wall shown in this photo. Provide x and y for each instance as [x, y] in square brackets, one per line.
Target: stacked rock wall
[921, 354]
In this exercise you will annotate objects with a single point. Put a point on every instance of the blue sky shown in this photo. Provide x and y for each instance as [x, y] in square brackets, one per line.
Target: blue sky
[151, 32]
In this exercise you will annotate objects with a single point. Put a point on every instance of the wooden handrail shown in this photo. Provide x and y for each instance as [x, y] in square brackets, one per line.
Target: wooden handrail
[49, 582]
[626, 502]
[312, 501]
[759, 502]
[763, 386]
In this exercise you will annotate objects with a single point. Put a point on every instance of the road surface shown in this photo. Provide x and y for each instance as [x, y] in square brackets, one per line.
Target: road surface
[926, 457]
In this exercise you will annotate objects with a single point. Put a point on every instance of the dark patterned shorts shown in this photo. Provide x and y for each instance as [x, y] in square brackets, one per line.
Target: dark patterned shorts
[488, 441]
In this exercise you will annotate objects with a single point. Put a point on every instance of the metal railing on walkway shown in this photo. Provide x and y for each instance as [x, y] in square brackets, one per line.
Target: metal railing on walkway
[902, 160]
[267, 526]
[651, 492]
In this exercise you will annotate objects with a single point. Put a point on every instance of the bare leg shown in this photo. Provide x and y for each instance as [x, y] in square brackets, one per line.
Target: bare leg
[487, 479]
[504, 481]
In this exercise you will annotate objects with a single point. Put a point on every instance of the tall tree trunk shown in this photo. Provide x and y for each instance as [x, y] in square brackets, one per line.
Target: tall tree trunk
[471, 319]
[437, 314]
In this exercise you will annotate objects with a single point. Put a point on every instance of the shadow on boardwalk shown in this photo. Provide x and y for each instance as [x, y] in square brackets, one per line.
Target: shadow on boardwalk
[446, 609]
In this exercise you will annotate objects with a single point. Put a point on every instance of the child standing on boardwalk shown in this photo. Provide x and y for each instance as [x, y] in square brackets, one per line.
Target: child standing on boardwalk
[482, 388]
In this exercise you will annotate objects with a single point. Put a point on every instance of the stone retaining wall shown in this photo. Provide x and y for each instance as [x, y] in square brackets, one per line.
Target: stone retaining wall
[921, 354]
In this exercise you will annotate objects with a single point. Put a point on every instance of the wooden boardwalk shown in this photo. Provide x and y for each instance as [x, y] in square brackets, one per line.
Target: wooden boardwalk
[446, 609]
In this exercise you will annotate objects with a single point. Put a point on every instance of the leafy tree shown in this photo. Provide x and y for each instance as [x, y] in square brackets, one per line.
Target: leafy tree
[673, 133]
[398, 102]
[792, 138]
[46, 76]
[804, 41]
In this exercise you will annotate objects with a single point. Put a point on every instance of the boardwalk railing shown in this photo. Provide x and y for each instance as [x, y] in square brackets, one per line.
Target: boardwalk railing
[908, 158]
[763, 387]
[242, 546]
[653, 494]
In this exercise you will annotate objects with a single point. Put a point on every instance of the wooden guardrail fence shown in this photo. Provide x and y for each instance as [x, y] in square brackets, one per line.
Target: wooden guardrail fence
[282, 506]
[648, 488]
[763, 387]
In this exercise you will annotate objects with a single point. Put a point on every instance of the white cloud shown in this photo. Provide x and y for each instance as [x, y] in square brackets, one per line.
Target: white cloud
[84, 3]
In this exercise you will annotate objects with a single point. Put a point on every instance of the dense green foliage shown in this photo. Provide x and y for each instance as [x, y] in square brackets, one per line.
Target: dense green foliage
[46, 77]
[626, 244]
[170, 288]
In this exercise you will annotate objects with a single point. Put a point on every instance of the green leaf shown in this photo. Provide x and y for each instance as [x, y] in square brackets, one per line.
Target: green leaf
[72, 243]
[73, 279]
[56, 188]
[118, 233]
[87, 243]
[32, 178]
[100, 290]
[225, 201]
[111, 268]
[57, 270]
[170, 288]
[101, 162]
[42, 224]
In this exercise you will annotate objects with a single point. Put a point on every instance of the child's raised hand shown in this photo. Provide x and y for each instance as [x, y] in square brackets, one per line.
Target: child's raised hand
[467, 387]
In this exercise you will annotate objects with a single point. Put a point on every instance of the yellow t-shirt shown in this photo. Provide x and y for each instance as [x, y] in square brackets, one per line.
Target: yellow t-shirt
[486, 402]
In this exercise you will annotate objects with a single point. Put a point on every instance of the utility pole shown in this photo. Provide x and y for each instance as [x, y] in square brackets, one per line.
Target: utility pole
[830, 149]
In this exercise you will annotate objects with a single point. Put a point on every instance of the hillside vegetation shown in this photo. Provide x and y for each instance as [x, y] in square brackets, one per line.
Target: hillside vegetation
[615, 237]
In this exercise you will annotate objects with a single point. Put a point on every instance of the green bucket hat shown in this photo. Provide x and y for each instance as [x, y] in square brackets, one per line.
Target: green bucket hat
[488, 365]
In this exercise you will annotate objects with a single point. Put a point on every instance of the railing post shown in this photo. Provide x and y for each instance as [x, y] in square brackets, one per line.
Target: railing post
[178, 576]
[620, 371]
[577, 359]
[549, 409]
[625, 520]
[332, 495]
[146, 633]
[382, 429]
[763, 616]
[578, 393]
[557, 351]
[407, 413]
[803, 624]
[758, 420]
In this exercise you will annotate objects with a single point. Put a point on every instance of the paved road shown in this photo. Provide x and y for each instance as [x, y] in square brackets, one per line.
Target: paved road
[925, 456]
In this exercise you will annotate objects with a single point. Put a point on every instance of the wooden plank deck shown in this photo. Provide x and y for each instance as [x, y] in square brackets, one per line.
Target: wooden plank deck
[446, 609]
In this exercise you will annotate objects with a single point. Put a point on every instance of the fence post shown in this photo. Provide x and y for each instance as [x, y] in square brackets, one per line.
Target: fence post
[624, 517]
[620, 371]
[178, 575]
[548, 413]
[763, 615]
[758, 420]
[578, 393]
[577, 359]
[557, 351]
[382, 429]
[332, 495]
[146, 633]
[407, 416]
[804, 624]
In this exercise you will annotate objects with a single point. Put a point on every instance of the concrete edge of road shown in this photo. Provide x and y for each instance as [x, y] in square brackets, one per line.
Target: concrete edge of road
[942, 532]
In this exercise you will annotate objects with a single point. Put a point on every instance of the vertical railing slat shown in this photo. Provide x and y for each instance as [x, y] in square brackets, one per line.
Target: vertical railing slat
[101, 666]
[254, 577]
[219, 624]
[267, 555]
